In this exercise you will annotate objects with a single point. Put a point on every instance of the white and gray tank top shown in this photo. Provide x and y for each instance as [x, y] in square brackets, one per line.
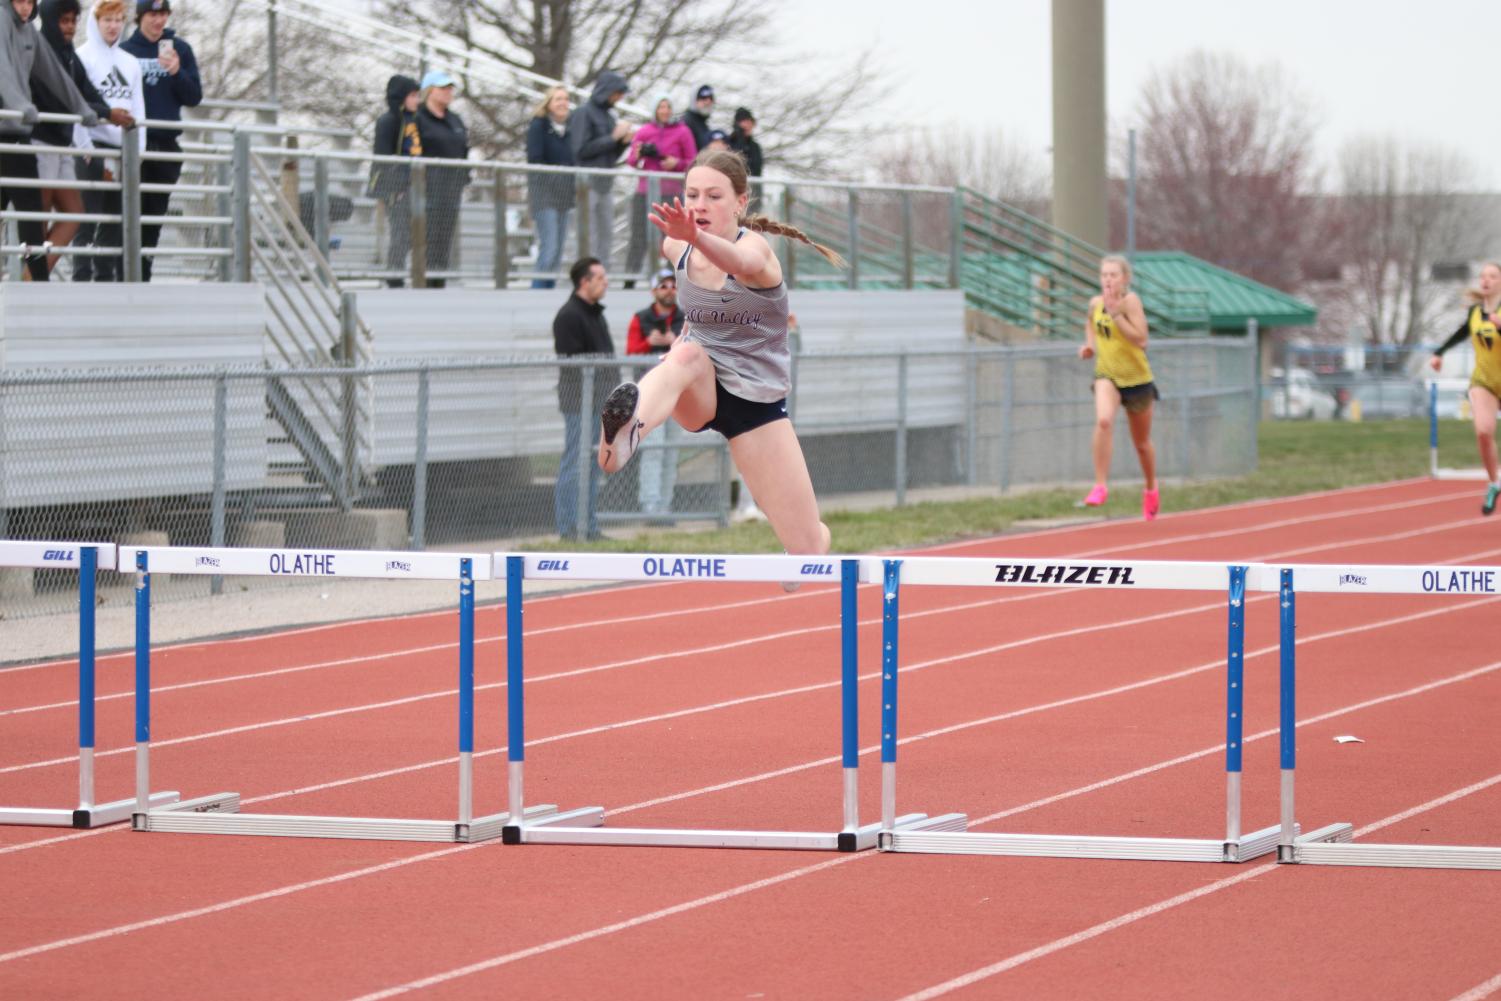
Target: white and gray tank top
[744, 331]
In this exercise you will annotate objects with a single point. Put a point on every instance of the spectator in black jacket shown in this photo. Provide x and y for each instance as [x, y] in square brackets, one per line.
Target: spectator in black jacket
[59, 20]
[697, 118]
[580, 329]
[550, 196]
[27, 62]
[169, 71]
[443, 137]
[598, 141]
[741, 142]
[396, 135]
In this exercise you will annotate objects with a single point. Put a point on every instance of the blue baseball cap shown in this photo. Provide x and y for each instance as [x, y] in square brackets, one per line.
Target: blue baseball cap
[436, 78]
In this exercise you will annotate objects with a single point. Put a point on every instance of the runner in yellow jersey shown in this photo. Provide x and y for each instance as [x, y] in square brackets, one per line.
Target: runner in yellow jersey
[1480, 327]
[1115, 336]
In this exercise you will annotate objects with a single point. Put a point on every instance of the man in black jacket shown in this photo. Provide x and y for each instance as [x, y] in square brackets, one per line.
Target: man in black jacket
[396, 135]
[697, 117]
[580, 329]
[599, 140]
[741, 142]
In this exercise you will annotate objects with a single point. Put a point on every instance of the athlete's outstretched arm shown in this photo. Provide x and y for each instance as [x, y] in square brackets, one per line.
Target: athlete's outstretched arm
[749, 258]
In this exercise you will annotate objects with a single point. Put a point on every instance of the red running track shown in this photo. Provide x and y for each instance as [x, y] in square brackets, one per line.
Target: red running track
[679, 705]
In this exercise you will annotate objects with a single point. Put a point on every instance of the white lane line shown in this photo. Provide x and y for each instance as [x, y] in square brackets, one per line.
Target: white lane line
[1480, 991]
[237, 902]
[1131, 917]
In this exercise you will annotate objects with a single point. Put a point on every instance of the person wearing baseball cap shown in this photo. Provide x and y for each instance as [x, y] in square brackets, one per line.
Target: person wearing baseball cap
[443, 136]
[697, 118]
[169, 73]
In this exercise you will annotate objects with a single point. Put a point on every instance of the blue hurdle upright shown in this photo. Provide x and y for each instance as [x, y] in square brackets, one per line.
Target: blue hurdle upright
[1233, 581]
[1341, 848]
[582, 826]
[87, 559]
[218, 813]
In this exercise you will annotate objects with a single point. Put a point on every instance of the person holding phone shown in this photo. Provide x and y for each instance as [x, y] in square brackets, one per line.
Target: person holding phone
[170, 74]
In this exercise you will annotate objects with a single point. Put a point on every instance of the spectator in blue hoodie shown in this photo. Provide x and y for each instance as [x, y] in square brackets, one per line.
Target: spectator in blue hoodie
[170, 73]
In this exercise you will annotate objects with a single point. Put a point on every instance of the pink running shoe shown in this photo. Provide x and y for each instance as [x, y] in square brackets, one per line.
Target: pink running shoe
[1096, 496]
[1151, 503]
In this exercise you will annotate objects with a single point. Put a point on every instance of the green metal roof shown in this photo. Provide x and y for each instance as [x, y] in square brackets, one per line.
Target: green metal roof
[1233, 299]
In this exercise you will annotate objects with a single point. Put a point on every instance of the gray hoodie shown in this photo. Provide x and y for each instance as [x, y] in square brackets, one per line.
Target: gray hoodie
[591, 126]
[25, 55]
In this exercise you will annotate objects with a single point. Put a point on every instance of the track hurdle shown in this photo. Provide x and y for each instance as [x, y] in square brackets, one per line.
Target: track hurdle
[87, 559]
[1476, 474]
[218, 813]
[582, 826]
[1343, 850]
[1233, 581]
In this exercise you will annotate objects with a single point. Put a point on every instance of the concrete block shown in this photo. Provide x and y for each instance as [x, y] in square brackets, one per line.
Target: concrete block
[366, 528]
[259, 534]
[17, 583]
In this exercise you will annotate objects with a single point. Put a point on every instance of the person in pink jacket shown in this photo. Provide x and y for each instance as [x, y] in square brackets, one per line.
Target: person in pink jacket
[662, 144]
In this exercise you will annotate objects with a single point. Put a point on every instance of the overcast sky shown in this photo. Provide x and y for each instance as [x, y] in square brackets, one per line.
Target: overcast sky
[1425, 70]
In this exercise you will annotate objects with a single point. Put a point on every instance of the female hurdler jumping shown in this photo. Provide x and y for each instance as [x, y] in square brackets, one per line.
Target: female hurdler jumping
[730, 370]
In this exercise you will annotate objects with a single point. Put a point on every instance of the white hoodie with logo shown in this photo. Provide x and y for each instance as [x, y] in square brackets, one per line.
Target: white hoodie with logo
[117, 76]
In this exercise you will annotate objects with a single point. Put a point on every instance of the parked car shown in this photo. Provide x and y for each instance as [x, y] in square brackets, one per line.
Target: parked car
[1296, 394]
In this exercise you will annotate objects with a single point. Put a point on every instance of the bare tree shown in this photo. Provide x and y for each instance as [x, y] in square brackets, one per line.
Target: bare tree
[1226, 165]
[1404, 208]
[671, 46]
[992, 163]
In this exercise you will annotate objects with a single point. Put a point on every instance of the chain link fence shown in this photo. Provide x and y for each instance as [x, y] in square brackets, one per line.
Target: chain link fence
[467, 455]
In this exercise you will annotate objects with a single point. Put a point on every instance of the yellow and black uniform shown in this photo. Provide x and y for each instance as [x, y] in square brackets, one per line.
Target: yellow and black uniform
[1122, 362]
[1487, 341]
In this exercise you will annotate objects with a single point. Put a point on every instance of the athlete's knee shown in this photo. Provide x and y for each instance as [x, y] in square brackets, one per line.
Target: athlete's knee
[688, 354]
[813, 540]
[1104, 424]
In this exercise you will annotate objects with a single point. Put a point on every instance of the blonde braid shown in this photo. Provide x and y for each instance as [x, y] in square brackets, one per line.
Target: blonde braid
[765, 224]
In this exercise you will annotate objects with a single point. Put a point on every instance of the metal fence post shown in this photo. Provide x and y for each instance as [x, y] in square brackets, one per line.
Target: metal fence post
[854, 261]
[419, 464]
[1008, 409]
[271, 54]
[650, 259]
[1253, 375]
[130, 206]
[240, 207]
[581, 212]
[417, 200]
[585, 460]
[348, 325]
[223, 177]
[956, 235]
[908, 265]
[502, 262]
[789, 271]
[971, 411]
[321, 224]
[216, 503]
[901, 429]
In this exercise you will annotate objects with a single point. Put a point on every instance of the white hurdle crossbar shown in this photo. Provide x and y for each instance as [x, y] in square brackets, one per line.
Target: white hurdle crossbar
[1139, 575]
[583, 826]
[1341, 849]
[219, 813]
[87, 558]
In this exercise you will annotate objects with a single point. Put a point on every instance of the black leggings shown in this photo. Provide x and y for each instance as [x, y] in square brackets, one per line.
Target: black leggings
[33, 234]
